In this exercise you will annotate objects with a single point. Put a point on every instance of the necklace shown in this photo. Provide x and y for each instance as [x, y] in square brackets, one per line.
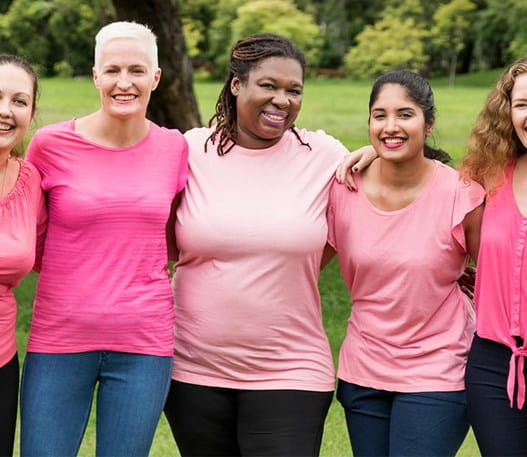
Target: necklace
[4, 177]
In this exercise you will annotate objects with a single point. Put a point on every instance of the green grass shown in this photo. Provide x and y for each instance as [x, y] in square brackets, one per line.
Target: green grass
[340, 107]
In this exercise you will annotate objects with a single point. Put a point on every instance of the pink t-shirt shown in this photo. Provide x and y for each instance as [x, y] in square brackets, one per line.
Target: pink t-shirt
[22, 221]
[103, 283]
[501, 281]
[251, 229]
[410, 326]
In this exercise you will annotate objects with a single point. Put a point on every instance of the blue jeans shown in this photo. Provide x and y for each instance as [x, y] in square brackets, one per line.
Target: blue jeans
[57, 393]
[382, 423]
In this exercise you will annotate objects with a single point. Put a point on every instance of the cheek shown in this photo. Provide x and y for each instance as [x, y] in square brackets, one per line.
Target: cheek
[518, 120]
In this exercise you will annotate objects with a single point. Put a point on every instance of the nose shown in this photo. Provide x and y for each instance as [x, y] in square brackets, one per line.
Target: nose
[124, 81]
[5, 109]
[281, 99]
[391, 124]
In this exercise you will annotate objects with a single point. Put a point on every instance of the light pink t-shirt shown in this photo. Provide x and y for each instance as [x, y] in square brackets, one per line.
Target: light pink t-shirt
[22, 221]
[251, 229]
[501, 281]
[410, 326]
[103, 283]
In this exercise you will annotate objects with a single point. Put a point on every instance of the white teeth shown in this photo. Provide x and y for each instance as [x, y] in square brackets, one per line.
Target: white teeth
[124, 97]
[275, 117]
[393, 140]
[5, 127]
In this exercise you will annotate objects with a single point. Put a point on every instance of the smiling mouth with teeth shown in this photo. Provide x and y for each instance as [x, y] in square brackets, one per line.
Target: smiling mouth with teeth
[124, 97]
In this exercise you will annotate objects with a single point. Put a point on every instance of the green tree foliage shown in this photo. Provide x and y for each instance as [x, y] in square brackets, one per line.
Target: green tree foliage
[56, 35]
[281, 17]
[389, 44]
[197, 16]
[501, 35]
[25, 31]
[220, 34]
[452, 25]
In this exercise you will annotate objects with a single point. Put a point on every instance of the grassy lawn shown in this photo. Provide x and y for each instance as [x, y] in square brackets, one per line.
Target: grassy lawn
[340, 107]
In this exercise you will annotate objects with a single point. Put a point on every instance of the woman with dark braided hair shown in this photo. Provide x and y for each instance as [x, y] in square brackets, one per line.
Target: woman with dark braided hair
[253, 372]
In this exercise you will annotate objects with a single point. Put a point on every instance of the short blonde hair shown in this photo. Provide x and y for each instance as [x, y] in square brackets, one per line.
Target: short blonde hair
[124, 29]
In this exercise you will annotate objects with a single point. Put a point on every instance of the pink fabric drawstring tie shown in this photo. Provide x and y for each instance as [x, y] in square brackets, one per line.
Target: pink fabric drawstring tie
[517, 354]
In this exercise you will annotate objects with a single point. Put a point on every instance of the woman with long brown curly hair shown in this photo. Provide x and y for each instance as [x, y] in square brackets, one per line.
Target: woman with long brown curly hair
[495, 376]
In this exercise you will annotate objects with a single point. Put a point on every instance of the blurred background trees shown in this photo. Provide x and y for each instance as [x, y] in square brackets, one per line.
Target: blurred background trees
[358, 38]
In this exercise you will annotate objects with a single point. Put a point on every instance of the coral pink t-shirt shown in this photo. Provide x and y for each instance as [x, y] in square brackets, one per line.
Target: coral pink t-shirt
[410, 326]
[22, 222]
[103, 283]
[501, 280]
[251, 228]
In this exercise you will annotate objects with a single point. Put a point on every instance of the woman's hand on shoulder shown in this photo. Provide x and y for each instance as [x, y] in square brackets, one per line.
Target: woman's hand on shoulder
[356, 161]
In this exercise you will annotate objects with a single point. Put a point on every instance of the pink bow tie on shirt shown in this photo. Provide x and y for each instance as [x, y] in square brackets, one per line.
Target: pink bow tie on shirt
[518, 353]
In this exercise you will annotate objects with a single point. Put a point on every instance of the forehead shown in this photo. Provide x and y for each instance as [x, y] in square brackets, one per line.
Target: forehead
[14, 79]
[393, 95]
[124, 51]
[283, 68]
[519, 89]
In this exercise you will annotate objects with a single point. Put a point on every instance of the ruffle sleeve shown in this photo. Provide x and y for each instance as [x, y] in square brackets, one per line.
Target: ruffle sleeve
[469, 195]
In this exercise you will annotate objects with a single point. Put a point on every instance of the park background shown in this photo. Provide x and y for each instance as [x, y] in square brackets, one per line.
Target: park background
[460, 45]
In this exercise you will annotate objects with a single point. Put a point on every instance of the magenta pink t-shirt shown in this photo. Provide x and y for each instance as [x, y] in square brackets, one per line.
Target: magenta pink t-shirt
[501, 281]
[103, 283]
[410, 326]
[22, 222]
[251, 228]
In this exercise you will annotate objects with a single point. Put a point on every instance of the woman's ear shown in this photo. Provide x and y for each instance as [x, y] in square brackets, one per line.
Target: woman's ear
[235, 86]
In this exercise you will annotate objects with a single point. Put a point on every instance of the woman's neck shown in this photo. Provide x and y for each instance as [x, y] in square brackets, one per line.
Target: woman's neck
[391, 186]
[111, 131]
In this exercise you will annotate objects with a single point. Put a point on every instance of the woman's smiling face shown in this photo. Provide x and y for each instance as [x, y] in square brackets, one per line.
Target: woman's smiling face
[268, 103]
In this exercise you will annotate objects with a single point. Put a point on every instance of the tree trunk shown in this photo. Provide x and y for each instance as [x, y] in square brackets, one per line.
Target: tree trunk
[452, 70]
[173, 103]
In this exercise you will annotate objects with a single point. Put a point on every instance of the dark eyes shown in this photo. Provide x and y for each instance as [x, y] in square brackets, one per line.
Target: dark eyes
[271, 86]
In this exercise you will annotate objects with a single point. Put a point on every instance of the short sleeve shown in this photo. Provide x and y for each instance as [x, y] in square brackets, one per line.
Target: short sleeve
[469, 195]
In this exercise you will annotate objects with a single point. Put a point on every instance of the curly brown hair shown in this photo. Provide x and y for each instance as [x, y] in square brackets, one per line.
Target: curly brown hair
[493, 142]
[244, 57]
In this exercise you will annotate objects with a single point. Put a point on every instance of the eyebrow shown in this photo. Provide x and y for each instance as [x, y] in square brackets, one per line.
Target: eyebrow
[18, 94]
[406, 108]
[270, 78]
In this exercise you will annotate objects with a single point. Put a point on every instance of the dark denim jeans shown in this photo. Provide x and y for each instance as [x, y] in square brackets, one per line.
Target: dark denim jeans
[382, 423]
[57, 393]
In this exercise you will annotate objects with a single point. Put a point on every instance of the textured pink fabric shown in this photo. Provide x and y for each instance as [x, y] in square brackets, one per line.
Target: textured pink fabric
[103, 283]
[22, 221]
[251, 229]
[410, 326]
[501, 281]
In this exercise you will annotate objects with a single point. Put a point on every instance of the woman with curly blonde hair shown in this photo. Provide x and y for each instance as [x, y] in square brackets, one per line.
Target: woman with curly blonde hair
[495, 376]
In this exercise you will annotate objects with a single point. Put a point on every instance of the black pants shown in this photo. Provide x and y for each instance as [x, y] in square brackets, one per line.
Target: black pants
[9, 376]
[210, 421]
[500, 430]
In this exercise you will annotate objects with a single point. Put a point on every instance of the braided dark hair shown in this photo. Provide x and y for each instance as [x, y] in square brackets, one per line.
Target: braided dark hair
[419, 90]
[245, 55]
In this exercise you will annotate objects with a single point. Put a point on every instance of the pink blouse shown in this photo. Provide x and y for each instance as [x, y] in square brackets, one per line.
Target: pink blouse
[501, 281]
[410, 326]
[22, 220]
